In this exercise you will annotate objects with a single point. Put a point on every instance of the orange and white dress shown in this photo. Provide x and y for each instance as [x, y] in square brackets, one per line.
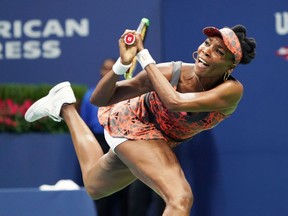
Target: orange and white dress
[146, 117]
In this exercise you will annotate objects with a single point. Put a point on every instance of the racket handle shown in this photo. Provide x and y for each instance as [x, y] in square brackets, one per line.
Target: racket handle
[129, 39]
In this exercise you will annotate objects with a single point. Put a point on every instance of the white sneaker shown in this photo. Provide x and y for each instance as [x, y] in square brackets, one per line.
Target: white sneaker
[51, 104]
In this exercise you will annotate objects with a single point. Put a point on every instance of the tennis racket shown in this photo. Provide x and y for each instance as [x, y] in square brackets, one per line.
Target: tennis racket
[142, 29]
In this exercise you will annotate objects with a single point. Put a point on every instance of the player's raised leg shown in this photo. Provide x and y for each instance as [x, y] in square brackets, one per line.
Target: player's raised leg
[102, 174]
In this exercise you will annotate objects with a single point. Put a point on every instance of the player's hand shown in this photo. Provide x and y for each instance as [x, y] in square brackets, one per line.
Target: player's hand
[127, 52]
[139, 42]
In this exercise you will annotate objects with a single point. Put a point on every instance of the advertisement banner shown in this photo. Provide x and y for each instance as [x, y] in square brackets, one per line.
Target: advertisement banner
[49, 42]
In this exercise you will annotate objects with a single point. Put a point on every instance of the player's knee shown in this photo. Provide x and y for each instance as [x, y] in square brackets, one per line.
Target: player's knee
[182, 201]
[94, 192]
[186, 200]
[91, 187]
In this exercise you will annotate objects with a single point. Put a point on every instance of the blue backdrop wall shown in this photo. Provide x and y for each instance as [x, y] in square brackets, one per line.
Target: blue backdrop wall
[239, 168]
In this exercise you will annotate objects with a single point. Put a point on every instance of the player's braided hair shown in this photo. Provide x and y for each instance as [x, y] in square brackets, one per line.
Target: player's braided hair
[248, 45]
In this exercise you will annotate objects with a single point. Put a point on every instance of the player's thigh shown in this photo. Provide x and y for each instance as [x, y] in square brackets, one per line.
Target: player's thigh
[109, 175]
[155, 163]
[113, 169]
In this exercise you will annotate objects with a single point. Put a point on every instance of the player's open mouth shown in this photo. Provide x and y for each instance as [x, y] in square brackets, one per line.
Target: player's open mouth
[202, 61]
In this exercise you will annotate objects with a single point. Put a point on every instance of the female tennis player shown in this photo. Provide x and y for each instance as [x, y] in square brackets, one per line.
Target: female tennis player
[147, 116]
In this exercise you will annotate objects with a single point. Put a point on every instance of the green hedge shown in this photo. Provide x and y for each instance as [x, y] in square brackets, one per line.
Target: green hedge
[15, 99]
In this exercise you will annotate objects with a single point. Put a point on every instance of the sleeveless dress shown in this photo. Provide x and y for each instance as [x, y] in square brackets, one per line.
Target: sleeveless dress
[146, 117]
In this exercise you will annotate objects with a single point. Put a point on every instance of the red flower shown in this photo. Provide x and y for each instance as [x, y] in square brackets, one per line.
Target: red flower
[10, 122]
[25, 106]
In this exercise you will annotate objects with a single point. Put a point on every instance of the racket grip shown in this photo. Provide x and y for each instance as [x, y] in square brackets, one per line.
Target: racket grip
[129, 39]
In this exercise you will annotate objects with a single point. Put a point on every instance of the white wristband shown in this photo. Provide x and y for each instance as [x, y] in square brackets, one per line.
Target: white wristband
[144, 58]
[119, 69]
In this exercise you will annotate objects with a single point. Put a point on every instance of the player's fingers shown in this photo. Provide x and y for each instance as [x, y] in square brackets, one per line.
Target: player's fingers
[127, 31]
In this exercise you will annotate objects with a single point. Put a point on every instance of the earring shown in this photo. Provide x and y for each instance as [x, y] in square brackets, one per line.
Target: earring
[226, 76]
[195, 55]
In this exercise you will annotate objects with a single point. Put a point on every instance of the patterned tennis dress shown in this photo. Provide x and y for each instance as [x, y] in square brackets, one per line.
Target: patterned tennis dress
[146, 117]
